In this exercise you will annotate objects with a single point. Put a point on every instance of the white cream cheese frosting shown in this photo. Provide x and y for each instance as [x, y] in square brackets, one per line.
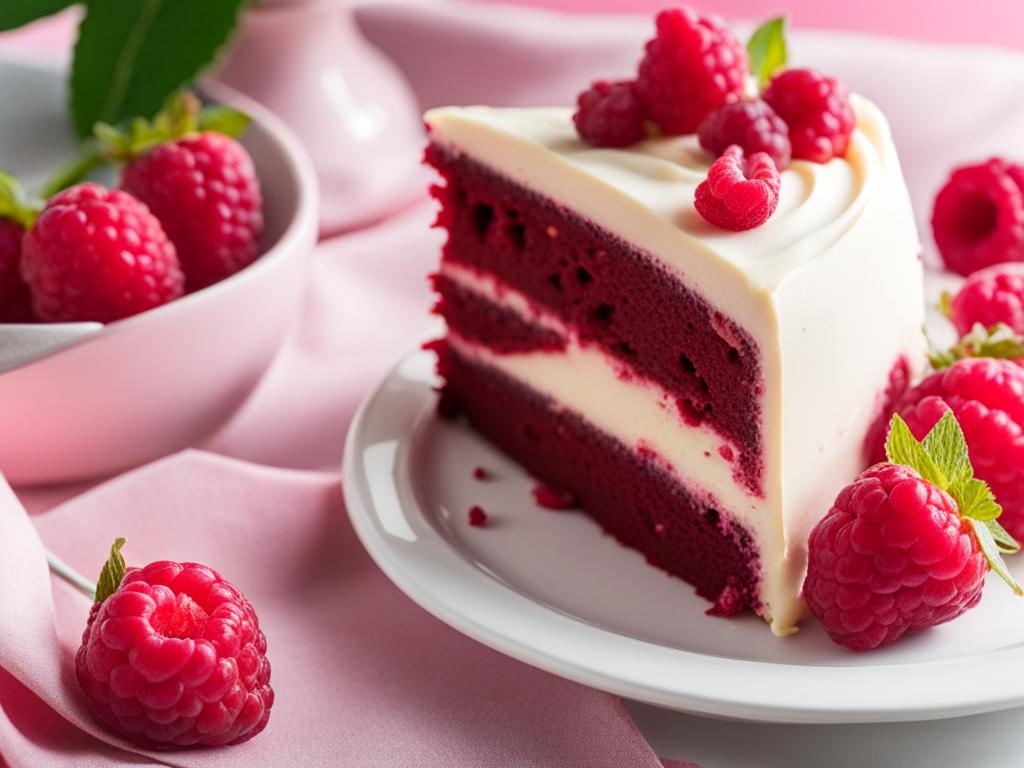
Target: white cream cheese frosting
[830, 290]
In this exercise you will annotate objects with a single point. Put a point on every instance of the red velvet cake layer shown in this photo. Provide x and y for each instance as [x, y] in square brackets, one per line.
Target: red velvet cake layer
[611, 294]
[629, 493]
[478, 319]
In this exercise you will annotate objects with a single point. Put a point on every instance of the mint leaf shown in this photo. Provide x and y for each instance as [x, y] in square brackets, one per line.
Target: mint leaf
[946, 445]
[767, 50]
[975, 500]
[131, 56]
[112, 573]
[902, 448]
[16, 13]
[1006, 543]
[990, 549]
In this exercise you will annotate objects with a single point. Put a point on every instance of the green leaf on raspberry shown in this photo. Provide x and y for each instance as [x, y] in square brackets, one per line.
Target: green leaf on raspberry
[903, 448]
[768, 50]
[15, 204]
[942, 459]
[112, 573]
[947, 447]
[1006, 543]
[999, 341]
[231, 122]
[991, 550]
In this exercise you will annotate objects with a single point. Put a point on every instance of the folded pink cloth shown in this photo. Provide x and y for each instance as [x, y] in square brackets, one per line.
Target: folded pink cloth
[363, 677]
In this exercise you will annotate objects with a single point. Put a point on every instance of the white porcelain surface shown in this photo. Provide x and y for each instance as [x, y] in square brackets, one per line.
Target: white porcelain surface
[347, 103]
[151, 384]
[549, 589]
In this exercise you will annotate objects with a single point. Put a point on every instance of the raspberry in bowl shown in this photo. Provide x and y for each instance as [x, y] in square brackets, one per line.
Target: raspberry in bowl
[102, 398]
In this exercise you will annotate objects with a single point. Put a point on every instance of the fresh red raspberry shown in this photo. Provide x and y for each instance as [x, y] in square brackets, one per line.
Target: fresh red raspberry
[175, 658]
[693, 66]
[205, 191]
[990, 296]
[98, 254]
[739, 193]
[891, 556]
[978, 217]
[987, 397]
[751, 124]
[610, 115]
[817, 110]
[15, 302]
[477, 516]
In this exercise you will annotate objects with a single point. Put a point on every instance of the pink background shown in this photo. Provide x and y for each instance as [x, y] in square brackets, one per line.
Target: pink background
[981, 21]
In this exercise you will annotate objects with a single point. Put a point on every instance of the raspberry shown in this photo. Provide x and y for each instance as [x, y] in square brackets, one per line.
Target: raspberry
[204, 190]
[556, 499]
[477, 516]
[693, 66]
[978, 217]
[15, 302]
[175, 658]
[98, 254]
[739, 193]
[990, 296]
[892, 556]
[610, 115]
[817, 110]
[751, 124]
[987, 397]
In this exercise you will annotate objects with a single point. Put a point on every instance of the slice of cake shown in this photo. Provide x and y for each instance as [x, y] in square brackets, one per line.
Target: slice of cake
[702, 393]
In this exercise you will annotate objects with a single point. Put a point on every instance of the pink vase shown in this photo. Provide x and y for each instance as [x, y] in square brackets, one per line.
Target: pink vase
[350, 107]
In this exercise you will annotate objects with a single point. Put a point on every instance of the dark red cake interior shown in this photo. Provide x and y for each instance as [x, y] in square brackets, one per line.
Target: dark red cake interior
[610, 293]
[628, 492]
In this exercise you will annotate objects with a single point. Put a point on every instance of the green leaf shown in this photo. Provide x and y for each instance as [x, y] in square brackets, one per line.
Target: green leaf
[16, 13]
[112, 573]
[224, 120]
[767, 50]
[946, 445]
[975, 500]
[1006, 543]
[990, 549]
[132, 54]
[14, 204]
[999, 341]
[903, 448]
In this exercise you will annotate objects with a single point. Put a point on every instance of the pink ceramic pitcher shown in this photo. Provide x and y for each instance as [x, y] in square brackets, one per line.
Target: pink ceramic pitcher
[306, 61]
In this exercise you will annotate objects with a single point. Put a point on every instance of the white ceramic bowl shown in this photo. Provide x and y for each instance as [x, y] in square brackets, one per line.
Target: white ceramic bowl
[166, 379]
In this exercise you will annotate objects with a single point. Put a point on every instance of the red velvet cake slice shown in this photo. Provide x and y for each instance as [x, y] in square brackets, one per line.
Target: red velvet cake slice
[703, 393]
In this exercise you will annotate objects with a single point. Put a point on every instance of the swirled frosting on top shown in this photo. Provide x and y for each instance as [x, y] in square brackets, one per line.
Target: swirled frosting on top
[657, 178]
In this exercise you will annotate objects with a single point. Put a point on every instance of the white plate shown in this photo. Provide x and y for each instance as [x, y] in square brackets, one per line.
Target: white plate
[549, 589]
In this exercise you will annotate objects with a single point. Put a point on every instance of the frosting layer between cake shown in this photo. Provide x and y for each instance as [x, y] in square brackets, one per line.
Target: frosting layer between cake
[829, 290]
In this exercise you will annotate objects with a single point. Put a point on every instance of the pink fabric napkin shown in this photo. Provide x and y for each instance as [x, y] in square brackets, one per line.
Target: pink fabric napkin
[362, 676]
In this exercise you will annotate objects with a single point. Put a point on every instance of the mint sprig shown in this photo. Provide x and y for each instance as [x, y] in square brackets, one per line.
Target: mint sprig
[999, 341]
[112, 573]
[767, 50]
[942, 459]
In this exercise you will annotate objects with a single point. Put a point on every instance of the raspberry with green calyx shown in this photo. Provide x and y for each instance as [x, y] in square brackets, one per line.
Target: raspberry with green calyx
[999, 341]
[18, 212]
[907, 545]
[172, 656]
